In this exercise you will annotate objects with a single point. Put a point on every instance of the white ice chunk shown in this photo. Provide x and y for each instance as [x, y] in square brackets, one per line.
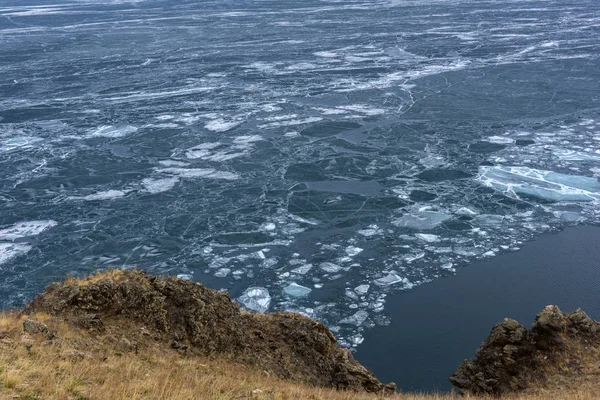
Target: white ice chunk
[422, 220]
[352, 251]
[356, 319]
[159, 185]
[105, 195]
[302, 269]
[330, 267]
[362, 289]
[220, 125]
[389, 279]
[209, 173]
[222, 272]
[500, 140]
[269, 226]
[490, 219]
[185, 277]
[572, 155]
[111, 131]
[570, 216]
[256, 299]
[247, 139]
[8, 251]
[547, 185]
[357, 339]
[295, 290]
[349, 293]
[372, 230]
[25, 229]
[465, 211]
[428, 237]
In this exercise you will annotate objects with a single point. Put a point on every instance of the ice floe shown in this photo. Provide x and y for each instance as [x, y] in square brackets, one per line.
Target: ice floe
[547, 185]
[330, 267]
[389, 279]
[355, 319]
[302, 270]
[295, 290]
[256, 299]
[361, 289]
[422, 220]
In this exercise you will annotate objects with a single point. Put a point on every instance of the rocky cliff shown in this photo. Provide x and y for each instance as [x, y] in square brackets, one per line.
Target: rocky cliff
[560, 352]
[136, 309]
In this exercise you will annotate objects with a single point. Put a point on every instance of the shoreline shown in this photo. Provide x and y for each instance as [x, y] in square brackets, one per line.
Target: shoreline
[436, 326]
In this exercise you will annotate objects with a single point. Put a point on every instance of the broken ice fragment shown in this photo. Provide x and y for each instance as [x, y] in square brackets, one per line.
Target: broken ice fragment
[465, 211]
[256, 299]
[302, 269]
[422, 220]
[390, 279]
[330, 267]
[185, 277]
[351, 294]
[356, 319]
[362, 289]
[295, 290]
[447, 266]
[223, 272]
[352, 251]
[427, 237]
[546, 185]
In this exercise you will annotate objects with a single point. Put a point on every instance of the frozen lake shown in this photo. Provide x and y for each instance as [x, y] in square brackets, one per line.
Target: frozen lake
[311, 156]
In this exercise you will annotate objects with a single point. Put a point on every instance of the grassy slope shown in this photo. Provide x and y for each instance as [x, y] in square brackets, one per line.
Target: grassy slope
[75, 365]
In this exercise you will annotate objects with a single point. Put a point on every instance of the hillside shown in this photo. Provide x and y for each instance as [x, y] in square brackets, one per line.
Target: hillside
[129, 335]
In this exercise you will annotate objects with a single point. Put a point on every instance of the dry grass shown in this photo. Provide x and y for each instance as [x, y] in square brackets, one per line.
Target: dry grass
[75, 365]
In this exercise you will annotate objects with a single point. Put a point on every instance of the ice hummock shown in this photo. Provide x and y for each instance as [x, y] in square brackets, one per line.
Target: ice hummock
[295, 290]
[546, 185]
[256, 299]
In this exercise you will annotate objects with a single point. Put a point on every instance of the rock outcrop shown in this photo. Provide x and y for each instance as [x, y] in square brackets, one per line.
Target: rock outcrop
[199, 321]
[514, 358]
